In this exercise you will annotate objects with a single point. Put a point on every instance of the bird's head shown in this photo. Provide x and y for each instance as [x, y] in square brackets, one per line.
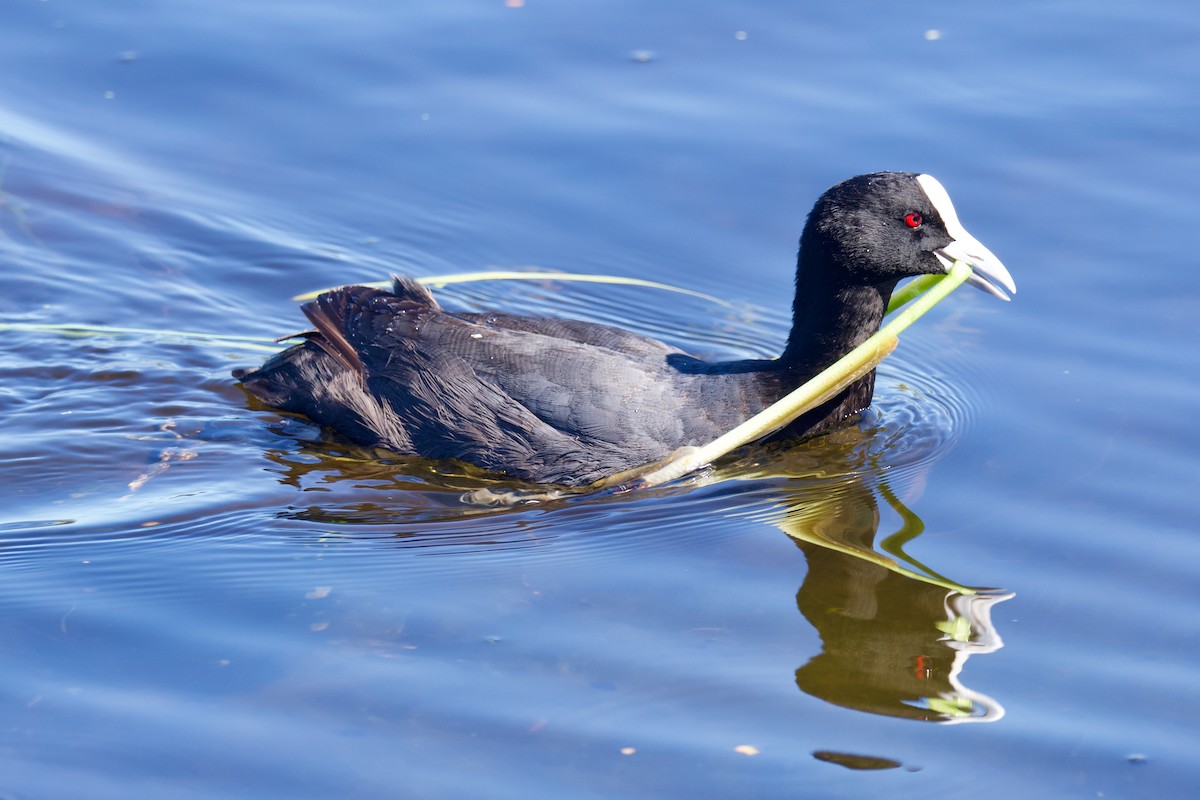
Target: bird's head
[877, 229]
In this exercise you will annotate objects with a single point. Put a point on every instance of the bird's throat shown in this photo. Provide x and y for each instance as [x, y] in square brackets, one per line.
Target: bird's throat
[829, 321]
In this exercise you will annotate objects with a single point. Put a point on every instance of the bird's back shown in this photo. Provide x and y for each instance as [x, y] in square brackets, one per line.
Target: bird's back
[556, 401]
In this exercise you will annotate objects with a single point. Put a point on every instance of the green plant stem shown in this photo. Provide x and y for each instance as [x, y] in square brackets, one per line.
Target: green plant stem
[911, 290]
[822, 387]
[513, 275]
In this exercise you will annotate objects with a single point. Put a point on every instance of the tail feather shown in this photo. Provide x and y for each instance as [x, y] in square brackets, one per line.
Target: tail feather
[407, 288]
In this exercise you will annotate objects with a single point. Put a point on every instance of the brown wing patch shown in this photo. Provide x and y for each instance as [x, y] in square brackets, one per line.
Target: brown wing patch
[328, 313]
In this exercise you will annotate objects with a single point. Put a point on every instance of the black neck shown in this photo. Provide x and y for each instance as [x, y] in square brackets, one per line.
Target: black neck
[829, 321]
[829, 318]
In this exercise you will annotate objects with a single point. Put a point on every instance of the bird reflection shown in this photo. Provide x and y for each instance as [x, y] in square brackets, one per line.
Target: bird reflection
[895, 634]
[894, 638]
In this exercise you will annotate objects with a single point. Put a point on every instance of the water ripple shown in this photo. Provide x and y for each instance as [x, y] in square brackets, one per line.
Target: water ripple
[167, 443]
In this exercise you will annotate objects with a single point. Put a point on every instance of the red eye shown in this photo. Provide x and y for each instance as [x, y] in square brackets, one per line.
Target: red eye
[913, 219]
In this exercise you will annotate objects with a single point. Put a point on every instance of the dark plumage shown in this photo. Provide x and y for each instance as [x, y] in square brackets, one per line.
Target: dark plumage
[567, 402]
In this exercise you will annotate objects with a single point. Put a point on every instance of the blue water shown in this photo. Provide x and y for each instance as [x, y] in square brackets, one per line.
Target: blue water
[201, 598]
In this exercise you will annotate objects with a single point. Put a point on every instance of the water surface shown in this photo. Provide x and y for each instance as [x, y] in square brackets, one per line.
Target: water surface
[203, 598]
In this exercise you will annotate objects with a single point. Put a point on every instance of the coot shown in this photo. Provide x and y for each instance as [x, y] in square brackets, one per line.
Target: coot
[566, 402]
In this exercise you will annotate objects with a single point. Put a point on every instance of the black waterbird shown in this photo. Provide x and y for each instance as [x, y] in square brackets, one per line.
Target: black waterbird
[567, 402]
